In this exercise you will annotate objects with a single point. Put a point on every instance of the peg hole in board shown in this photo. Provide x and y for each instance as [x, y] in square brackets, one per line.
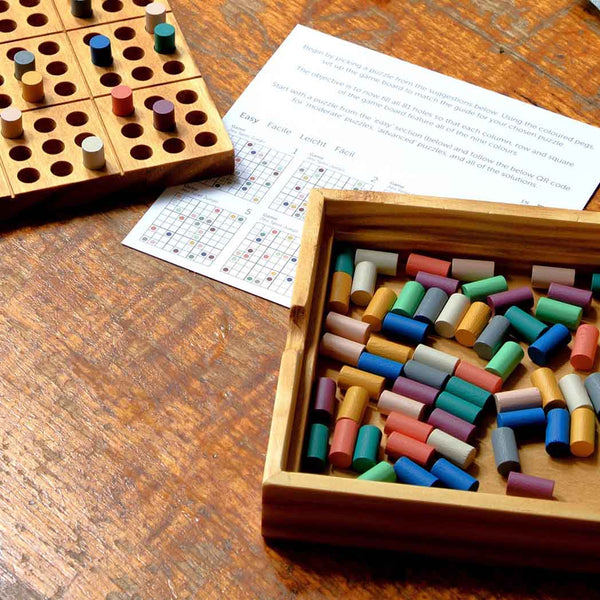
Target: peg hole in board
[7, 25]
[48, 48]
[132, 130]
[186, 96]
[112, 6]
[173, 67]
[19, 153]
[141, 152]
[142, 73]
[45, 125]
[29, 3]
[142, 2]
[65, 88]
[1, 80]
[53, 146]
[62, 168]
[5, 100]
[206, 139]
[11, 53]
[133, 53]
[125, 33]
[37, 19]
[77, 118]
[57, 67]
[81, 136]
[196, 117]
[88, 36]
[28, 175]
[151, 100]
[174, 145]
[110, 79]
[4, 6]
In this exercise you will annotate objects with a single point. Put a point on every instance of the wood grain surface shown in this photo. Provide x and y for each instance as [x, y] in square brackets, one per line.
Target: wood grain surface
[135, 397]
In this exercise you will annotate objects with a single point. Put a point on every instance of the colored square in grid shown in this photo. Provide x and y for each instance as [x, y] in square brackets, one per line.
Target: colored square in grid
[54, 59]
[20, 19]
[104, 11]
[135, 62]
[199, 131]
[48, 154]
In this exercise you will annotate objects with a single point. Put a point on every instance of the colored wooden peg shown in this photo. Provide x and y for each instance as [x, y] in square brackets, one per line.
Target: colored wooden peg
[122, 100]
[24, 61]
[156, 13]
[101, 51]
[82, 9]
[33, 86]
[164, 38]
[92, 148]
[12, 122]
[163, 115]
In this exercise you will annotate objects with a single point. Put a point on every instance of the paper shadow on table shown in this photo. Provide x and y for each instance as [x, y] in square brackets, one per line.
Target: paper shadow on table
[57, 210]
[299, 564]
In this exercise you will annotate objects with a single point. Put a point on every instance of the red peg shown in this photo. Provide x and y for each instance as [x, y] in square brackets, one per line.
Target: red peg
[122, 100]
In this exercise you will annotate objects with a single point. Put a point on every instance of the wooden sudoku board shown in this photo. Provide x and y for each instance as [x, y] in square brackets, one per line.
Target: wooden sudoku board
[45, 163]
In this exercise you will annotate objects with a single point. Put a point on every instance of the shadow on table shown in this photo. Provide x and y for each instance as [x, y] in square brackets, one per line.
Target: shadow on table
[378, 573]
[42, 214]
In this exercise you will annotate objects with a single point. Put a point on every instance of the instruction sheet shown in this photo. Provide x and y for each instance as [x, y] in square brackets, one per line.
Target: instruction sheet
[327, 113]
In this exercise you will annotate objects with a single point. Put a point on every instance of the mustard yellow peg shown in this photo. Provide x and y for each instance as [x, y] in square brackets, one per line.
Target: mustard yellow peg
[472, 324]
[33, 86]
[339, 296]
[354, 404]
[583, 432]
[392, 350]
[380, 305]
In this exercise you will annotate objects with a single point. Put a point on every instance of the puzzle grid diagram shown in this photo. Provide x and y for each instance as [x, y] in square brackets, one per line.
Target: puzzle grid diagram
[257, 168]
[77, 104]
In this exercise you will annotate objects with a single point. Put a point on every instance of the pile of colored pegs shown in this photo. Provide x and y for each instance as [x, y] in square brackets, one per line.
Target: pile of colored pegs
[433, 401]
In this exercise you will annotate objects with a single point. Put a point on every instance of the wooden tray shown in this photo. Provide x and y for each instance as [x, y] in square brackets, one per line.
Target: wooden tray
[487, 525]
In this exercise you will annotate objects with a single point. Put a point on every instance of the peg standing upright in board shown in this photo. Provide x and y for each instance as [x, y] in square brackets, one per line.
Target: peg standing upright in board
[24, 62]
[82, 9]
[92, 148]
[163, 112]
[156, 13]
[122, 100]
[12, 123]
[101, 52]
[33, 86]
[164, 38]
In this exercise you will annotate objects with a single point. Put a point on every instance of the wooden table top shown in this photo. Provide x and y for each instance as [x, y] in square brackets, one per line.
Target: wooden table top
[135, 397]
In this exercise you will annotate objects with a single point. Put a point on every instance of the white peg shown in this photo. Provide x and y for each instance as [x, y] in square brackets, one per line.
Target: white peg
[93, 153]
